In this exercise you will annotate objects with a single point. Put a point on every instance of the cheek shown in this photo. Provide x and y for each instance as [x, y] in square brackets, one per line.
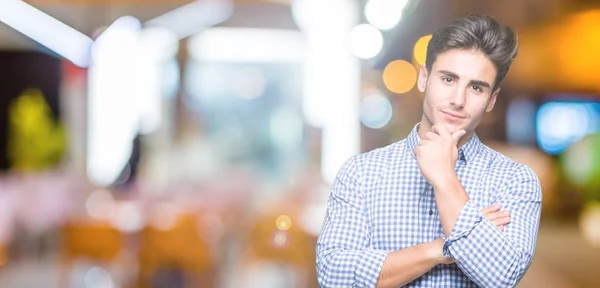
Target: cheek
[430, 106]
[430, 102]
[437, 96]
[439, 93]
[437, 101]
[477, 110]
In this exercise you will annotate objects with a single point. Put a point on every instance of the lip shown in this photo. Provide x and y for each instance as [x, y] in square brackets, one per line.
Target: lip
[453, 115]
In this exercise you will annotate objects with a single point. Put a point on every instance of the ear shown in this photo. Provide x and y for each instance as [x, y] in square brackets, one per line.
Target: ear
[492, 102]
[422, 81]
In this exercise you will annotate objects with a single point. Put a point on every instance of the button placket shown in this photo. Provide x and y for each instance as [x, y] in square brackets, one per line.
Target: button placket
[432, 225]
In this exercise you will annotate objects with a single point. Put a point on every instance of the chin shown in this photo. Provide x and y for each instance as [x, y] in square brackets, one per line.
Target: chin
[452, 127]
[449, 125]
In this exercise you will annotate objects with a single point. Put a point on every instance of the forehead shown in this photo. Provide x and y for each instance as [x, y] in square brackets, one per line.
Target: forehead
[468, 64]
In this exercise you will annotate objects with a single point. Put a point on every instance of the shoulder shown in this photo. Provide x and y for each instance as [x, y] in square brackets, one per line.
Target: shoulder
[509, 172]
[361, 167]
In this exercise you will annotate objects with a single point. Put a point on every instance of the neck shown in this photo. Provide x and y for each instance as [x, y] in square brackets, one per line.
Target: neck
[425, 126]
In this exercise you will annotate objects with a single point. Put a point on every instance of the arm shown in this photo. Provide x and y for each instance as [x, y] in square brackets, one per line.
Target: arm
[485, 254]
[344, 258]
[489, 257]
[403, 266]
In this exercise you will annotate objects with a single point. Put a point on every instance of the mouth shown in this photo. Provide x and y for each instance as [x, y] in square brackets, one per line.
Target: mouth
[452, 116]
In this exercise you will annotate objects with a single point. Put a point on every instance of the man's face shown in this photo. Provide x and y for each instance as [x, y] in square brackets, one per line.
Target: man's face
[458, 90]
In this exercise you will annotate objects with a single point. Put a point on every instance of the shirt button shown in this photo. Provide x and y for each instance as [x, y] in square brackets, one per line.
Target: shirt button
[430, 212]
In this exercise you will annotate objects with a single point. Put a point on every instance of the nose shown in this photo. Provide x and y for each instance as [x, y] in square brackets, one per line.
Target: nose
[458, 99]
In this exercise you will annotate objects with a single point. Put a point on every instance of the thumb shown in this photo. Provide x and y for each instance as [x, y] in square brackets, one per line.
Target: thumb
[458, 134]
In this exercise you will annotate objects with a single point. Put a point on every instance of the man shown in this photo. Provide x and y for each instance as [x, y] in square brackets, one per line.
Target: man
[432, 210]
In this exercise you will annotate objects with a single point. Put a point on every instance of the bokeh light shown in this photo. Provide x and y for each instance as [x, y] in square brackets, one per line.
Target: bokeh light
[420, 49]
[283, 222]
[100, 204]
[581, 165]
[98, 277]
[589, 223]
[384, 14]
[164, 216]
[399, 76]
[280, 239]
[562, 123]
[375, 111]
[365, 41]
[128, 217]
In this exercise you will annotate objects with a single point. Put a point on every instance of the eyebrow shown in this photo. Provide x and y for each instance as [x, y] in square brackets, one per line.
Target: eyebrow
[472, 82]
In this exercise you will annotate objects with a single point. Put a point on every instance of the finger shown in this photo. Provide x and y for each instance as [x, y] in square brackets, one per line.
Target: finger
[501, 221]
[490, 209]
[499, 214]
[494, 216]
[457, 135]
[501, 227]
[431, 136]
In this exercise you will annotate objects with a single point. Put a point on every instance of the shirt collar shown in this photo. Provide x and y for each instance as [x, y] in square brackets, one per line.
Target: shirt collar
[467, 152]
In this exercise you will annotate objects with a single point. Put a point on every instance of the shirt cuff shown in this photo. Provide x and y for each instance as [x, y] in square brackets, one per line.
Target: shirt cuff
[468, 218]
[369, 266]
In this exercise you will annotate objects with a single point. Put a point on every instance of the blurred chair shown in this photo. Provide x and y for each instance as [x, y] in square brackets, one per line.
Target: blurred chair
[180, 248]
[97, 241]
[278, 246]
[3, 256]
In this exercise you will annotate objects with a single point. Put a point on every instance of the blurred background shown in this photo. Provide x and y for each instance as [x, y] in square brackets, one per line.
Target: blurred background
[178, 143]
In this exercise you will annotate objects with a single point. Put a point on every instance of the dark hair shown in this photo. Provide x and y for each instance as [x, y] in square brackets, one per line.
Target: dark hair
[479, 32]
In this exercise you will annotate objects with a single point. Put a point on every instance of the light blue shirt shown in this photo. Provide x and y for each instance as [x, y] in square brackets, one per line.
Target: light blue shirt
[380, 203]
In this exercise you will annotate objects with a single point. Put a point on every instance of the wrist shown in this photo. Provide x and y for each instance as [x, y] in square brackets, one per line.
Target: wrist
[434, 251]
[444, 181]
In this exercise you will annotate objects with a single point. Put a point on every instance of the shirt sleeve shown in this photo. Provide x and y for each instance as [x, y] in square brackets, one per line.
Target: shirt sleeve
[488, 256]
[344, 258]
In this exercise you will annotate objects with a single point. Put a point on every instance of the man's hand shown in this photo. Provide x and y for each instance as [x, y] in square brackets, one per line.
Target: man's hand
[437, 153]
[499, 218]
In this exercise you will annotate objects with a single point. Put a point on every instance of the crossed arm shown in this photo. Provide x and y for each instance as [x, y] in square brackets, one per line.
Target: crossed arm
[487, 255]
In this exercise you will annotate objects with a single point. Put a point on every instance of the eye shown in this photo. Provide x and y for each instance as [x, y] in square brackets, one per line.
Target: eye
[477, 88]
[447, 80]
